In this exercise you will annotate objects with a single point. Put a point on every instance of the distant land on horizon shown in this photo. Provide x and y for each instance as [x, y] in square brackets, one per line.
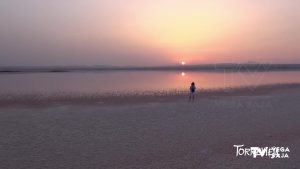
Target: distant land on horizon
[251, 67]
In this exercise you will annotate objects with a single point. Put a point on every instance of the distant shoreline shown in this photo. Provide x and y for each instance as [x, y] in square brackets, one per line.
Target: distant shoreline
[36, 99]
[204, 68]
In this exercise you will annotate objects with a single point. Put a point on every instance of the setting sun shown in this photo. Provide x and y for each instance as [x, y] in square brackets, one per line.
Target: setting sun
[182, 63]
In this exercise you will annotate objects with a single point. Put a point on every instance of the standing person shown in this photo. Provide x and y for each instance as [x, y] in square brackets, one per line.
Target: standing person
[192, 91]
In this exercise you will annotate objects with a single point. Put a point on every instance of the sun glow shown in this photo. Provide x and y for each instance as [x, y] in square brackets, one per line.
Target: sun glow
[183, 63]
[182, 27]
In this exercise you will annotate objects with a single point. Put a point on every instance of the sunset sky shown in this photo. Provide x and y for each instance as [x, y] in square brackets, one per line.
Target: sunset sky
[148, 32]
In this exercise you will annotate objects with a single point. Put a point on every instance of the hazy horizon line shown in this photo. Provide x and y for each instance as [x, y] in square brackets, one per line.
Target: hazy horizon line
[152, 65]
[196, 67]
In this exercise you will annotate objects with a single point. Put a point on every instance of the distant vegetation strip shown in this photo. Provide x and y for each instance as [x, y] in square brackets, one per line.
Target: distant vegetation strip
[207, 67]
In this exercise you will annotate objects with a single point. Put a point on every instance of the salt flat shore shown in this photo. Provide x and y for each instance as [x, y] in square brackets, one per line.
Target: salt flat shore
[159, 130]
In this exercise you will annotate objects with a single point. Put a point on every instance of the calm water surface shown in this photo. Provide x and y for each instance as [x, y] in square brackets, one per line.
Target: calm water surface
[128, 81]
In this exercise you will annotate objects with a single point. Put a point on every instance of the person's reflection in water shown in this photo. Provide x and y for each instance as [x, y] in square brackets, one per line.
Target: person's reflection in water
[192, 92]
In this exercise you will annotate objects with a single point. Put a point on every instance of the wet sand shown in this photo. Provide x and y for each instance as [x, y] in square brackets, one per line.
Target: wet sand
[157, 131]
